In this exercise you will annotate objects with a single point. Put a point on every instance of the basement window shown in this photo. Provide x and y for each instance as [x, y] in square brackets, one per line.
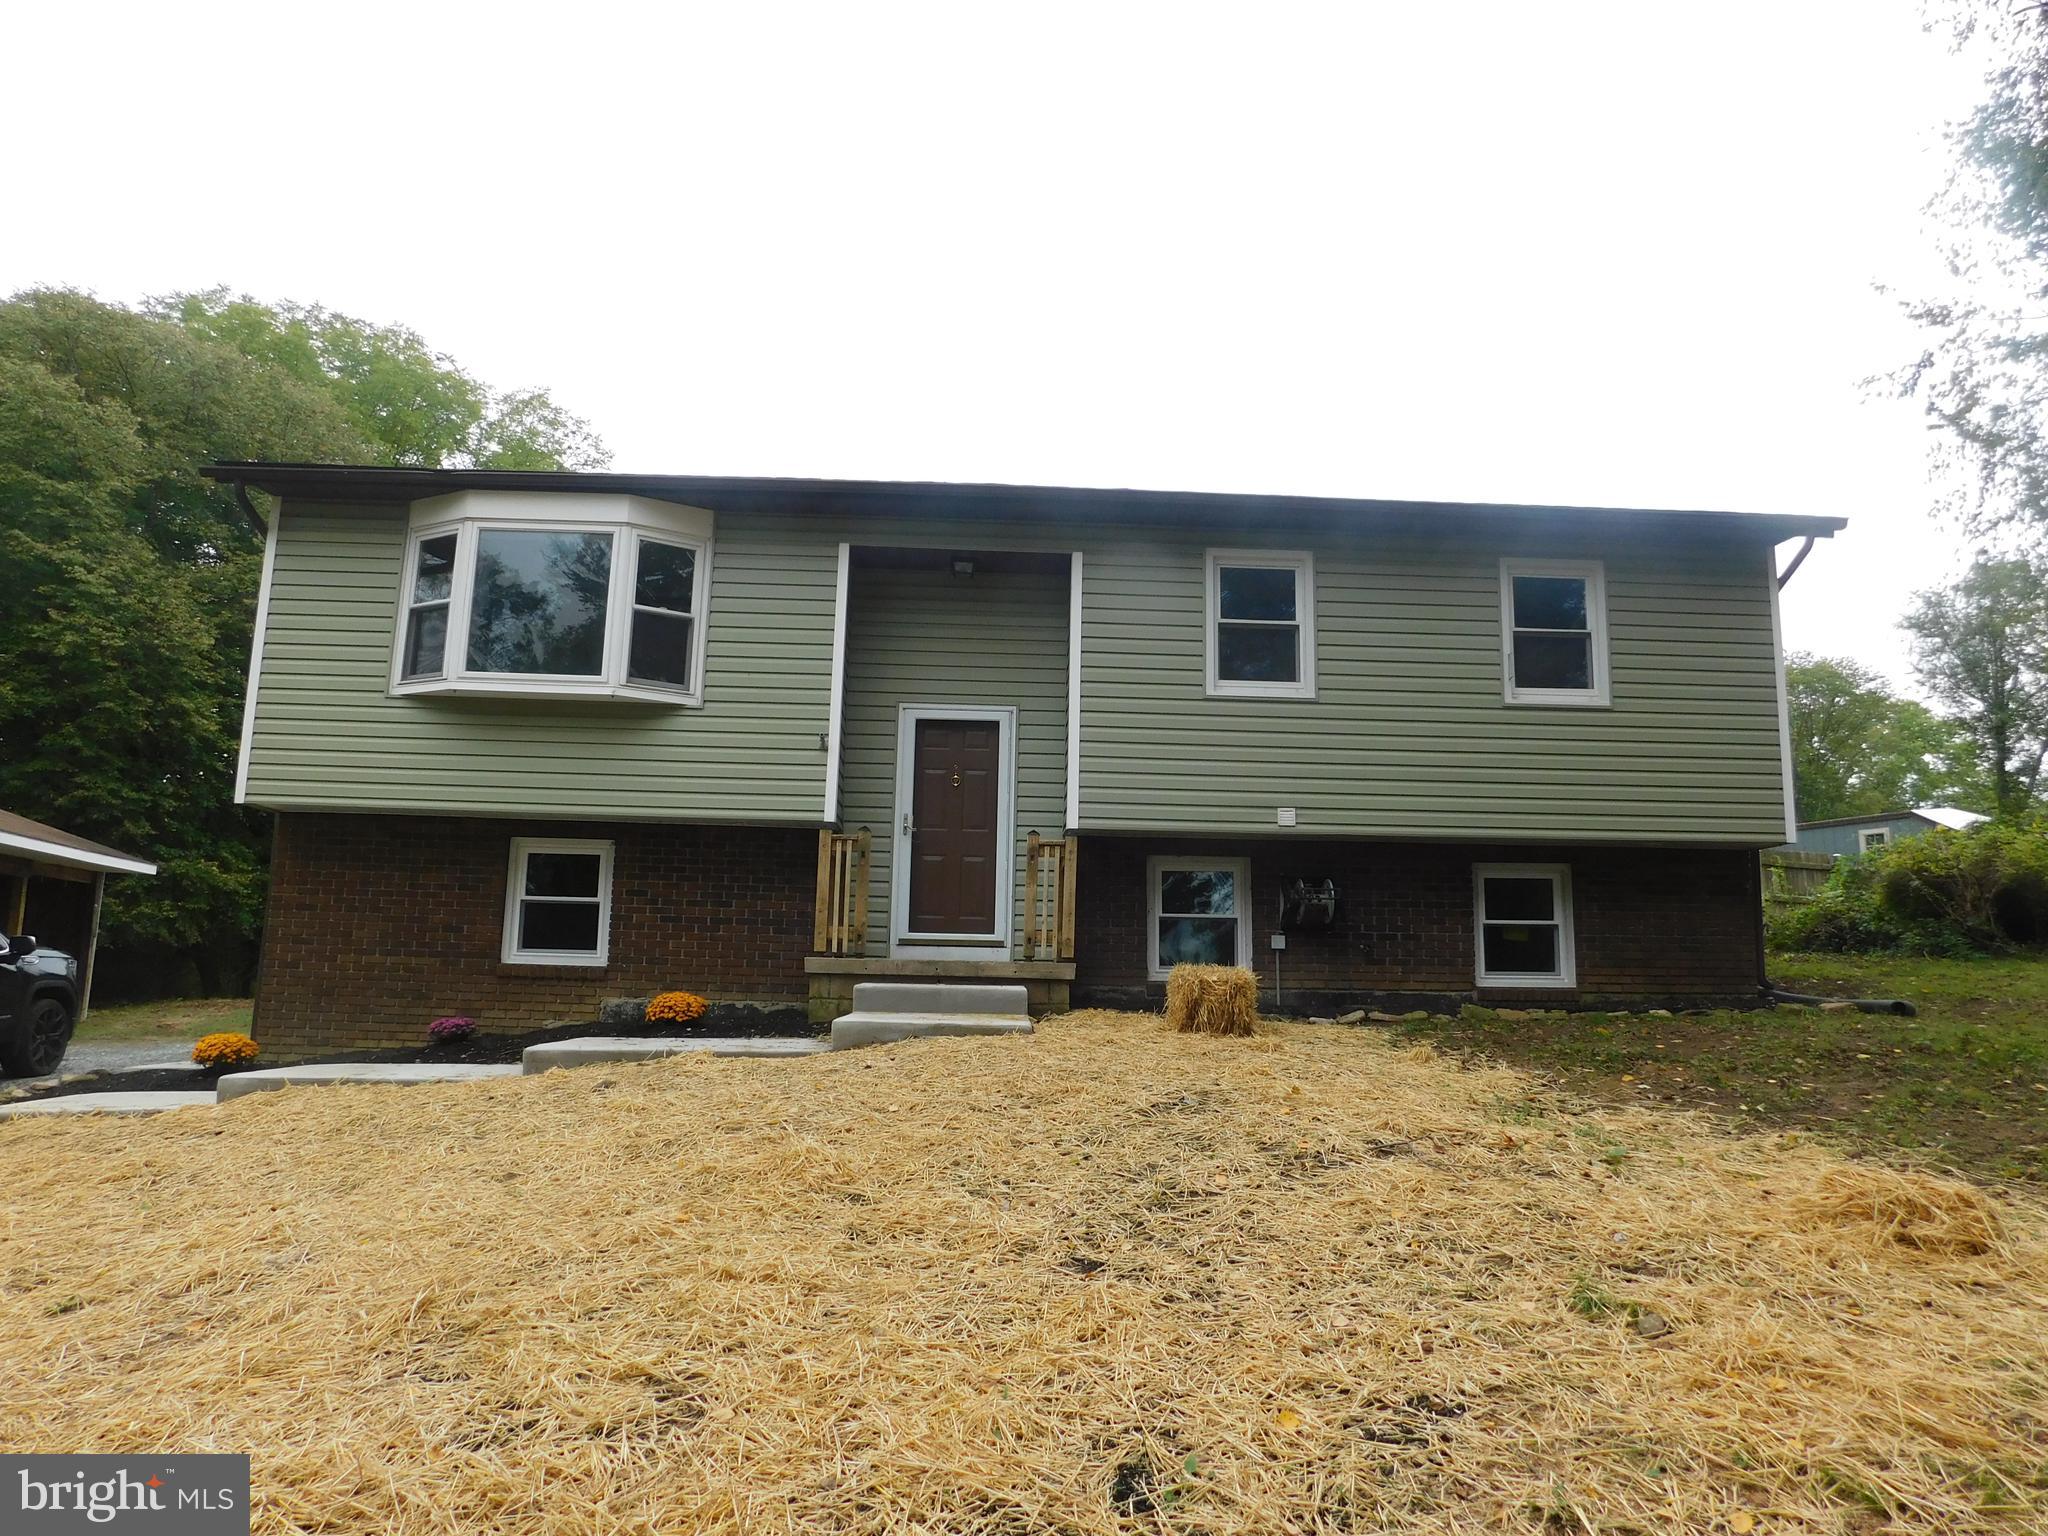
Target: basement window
[558, 902]
[518, 601]
[1201, 913]
[1523, 917]
[1261, 624]
[1553, 620]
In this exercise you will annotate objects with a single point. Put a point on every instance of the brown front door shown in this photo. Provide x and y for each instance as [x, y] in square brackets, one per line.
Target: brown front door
[956, 774]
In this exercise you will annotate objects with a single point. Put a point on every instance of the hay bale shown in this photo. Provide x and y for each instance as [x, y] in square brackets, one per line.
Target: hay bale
[1909, 1210]
[1212, 1000]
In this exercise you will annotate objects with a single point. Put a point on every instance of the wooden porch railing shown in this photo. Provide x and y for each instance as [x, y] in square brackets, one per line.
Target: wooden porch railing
[1049, 896]
[842, 918]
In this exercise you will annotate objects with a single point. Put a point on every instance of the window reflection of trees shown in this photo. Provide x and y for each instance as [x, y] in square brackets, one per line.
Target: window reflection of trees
[540, 602]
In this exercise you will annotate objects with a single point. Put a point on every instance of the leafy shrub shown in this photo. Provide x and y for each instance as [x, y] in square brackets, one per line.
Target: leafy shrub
[675, 1008]
[1942, 893]
[1842, 918]
[449, 1030]
[218, 1052]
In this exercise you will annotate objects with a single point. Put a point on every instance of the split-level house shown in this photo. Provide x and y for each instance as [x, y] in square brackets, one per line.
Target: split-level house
[533, 741]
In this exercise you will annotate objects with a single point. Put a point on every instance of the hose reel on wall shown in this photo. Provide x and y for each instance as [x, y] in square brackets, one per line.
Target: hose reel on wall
[1308, 904]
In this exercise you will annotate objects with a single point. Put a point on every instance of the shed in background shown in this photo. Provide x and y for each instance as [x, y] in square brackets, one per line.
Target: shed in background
[1851, 835]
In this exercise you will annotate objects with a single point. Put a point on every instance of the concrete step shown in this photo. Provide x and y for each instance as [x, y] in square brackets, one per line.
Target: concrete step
[940, 997]
[319, 1074]
[130, 1103]
[860, 1028]
[590, 1050]
[887, 1011]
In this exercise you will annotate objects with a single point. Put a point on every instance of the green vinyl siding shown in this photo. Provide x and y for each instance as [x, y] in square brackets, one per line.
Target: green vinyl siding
[997, 638]
[327, 732]
[1408, 735]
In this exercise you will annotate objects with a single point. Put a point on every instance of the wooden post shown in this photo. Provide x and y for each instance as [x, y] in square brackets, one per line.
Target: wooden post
[821, 926]
[857, 942]
[17, 906]
[92, 946]
[1034, 896]
[1070, 856]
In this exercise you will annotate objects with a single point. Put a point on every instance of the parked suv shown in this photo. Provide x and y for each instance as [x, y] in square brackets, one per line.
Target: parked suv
[38, 1005]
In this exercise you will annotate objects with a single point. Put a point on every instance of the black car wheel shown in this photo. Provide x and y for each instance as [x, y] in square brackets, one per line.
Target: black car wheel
[42, 1040]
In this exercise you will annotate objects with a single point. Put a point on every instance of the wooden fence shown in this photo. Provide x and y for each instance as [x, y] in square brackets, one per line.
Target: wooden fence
[841, 927]
[1049, 865]
[1791, 877]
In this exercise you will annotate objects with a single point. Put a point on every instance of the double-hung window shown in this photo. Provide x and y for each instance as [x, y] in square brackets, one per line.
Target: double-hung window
[1201, 913]
[1553, 616]
[515, 601]
[1261, 623]
[1523, 915]
[558, 902]
[432, 583]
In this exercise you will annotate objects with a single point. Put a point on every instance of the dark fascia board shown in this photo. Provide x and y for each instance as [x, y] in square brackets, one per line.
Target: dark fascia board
[374, 483]
[1852, 821]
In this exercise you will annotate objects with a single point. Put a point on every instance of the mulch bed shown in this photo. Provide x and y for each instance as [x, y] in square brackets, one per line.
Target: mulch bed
[480, 1048]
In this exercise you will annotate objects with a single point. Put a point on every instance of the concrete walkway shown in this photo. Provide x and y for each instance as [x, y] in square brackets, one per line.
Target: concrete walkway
[109, 1103]
[589, 1050]
[316, 1074]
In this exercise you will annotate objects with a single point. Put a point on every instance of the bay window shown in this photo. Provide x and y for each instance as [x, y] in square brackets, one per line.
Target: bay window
[563, 606]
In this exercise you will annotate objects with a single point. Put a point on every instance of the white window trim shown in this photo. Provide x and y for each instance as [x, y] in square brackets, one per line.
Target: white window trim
[1303, 564]
[515, 889]
[954, 946]
[1160, 864]
[1560, 877]
[627, 534]
[1594, 574]
[1868, 838]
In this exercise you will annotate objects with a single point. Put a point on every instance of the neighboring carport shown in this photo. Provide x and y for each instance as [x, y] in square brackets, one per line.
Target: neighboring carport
[51, 883]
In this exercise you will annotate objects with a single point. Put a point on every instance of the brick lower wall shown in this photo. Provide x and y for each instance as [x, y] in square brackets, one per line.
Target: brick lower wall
[1653, 925]
[378, 924]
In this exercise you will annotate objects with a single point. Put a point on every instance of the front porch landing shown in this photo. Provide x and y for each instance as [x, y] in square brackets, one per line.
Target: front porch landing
[832, 979]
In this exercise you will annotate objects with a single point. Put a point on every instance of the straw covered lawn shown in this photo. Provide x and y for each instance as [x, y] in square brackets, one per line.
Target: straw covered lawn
[1109, 1278]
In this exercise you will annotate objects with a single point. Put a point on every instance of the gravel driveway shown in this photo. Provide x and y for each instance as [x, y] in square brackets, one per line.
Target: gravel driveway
[110, 1056]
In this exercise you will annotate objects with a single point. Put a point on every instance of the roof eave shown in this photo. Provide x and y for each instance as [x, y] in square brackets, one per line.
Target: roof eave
[379, 483]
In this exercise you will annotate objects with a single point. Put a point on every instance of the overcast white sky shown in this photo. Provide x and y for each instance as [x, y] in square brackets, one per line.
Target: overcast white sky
[1562, 252]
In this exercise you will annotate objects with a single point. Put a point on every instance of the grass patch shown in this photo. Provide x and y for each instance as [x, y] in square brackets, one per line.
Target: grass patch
[1105, 1279]
[178, 1019]
[1964, 1084]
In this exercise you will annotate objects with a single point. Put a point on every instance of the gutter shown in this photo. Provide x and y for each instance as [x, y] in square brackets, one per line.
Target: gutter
[1797, 560]
[262, 529]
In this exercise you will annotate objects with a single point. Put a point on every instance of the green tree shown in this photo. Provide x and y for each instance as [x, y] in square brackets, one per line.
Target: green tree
[1983, 376]
[131, 582]
[1980, 646]
[1858, 748]
[417, 405]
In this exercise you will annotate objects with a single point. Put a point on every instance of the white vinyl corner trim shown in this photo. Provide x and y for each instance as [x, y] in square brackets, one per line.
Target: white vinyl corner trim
[835, 721]
[1074, 692]
[1784, 700]
[256, 654]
